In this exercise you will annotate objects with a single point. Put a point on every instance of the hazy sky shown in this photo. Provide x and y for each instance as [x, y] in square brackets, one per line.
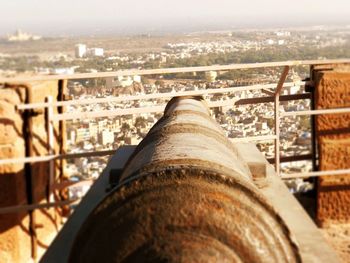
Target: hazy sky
[72, 16]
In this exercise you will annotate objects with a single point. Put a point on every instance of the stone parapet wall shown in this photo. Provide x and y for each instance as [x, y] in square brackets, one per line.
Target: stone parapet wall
[15, 242]
[333, 135]
[15, 237]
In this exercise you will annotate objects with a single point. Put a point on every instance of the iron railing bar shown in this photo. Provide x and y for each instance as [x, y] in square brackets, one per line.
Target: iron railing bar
[267, 99]
[279, 88]
[19, 208]
[293, 158]
[133, 72]
[316, 174]
[47, 158]
[254, 138]
[315, 112]
[152, 96]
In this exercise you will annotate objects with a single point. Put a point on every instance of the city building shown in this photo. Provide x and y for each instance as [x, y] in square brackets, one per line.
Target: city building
[20, 36]
[86, 135]
[95, 52]
[93, 129]
[82, 134]
[80, 50]
[62, 71]
[106, 137]
[270, 42]
[122, 81]
[210, 76]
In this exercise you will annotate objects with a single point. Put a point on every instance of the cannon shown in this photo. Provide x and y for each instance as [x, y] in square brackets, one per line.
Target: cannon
[185, 195]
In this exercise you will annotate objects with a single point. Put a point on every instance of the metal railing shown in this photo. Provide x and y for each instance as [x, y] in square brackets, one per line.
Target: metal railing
[51, 117]
[49, 104]
[315, 173]
[143, 72]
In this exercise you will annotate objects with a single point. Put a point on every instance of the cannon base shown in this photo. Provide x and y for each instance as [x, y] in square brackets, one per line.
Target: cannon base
[312, 246]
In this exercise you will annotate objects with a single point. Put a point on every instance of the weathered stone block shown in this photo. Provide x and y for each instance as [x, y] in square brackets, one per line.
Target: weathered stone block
[334, 191]
[333, 135]
[15, 237]
[333, 91]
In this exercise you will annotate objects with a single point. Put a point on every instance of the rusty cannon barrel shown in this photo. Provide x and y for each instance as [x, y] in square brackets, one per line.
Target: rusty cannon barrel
[185, 195]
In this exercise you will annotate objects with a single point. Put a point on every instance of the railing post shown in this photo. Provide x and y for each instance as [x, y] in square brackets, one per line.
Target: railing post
[50, 147]
[277, 118]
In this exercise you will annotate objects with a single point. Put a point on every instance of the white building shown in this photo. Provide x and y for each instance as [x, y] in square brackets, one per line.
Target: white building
[71, 136]
[20, 36]
[93, 129]
[62, 71]
[291, 90]
[270, 42]
[136, 78]
[106, 137]
[122, 81]
[80, 50]
[82, 134]
[95, 52]
[101, 125]
[210, 76]
[282, 33]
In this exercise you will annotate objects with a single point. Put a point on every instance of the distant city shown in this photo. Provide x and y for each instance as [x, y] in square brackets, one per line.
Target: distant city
[40, 55]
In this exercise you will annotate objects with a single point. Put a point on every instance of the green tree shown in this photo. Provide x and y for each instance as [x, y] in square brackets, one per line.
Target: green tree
[140, 122]
[160, 83]
[125, 129]
[305, 123]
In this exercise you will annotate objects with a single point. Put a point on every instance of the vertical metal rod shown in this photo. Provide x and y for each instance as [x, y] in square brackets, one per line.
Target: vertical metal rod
[61, 140]
[50, 147]
[277, 118]
[277, 133]
[313, 122]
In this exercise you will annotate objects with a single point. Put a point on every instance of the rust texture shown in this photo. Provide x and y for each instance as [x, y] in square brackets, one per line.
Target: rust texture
[185, 195]
[333, 135]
